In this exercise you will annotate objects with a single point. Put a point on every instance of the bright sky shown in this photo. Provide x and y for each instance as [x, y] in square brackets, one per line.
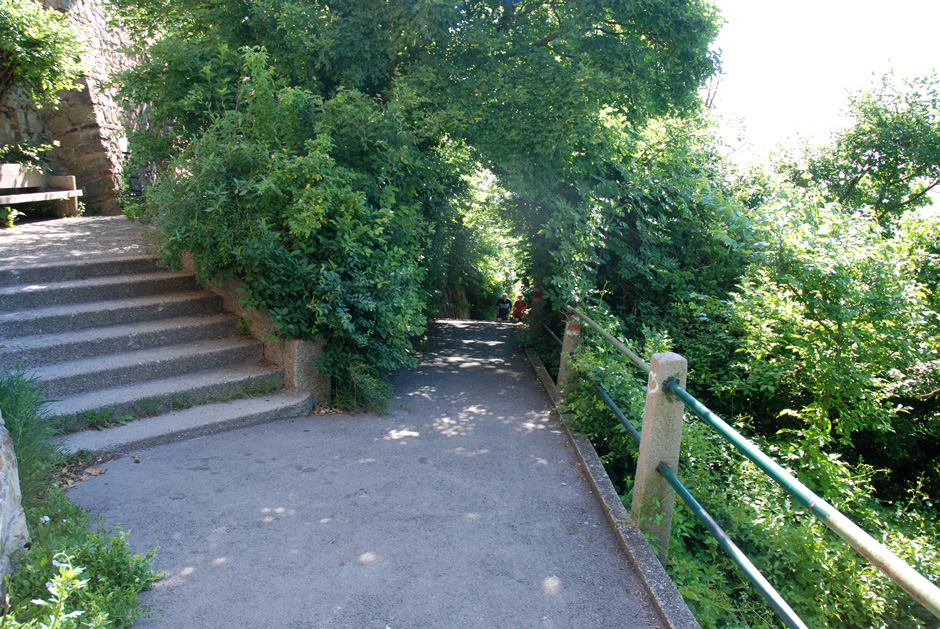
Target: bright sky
[788, 66]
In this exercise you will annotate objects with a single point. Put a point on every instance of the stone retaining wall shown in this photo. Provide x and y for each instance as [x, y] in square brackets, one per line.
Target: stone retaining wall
[297, 358]
[89, 123]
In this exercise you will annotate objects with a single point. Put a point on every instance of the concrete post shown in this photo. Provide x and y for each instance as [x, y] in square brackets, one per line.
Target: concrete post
[538, 304]
[569, 345]
[653, 497]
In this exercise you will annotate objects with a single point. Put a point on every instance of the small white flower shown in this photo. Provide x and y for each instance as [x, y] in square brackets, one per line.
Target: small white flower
[57, 564]
[44, 519]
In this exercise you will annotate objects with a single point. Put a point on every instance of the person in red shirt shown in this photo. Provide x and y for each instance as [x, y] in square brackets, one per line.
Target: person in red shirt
[518, 308]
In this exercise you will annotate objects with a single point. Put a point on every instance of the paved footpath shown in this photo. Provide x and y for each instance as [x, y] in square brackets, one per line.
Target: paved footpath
[463, 508]
[70, 240]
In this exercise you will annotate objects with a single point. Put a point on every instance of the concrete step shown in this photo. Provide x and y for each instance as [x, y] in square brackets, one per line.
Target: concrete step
[154, 397]
[189, 423]
[43, 294]
[58, 319]
[47, 349]
[75, 270]
[117, 339]
[112, 370]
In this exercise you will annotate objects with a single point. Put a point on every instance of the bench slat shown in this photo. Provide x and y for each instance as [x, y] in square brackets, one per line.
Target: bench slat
[47, 195]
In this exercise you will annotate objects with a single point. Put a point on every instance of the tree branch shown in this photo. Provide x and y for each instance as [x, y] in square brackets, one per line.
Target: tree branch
[542, 43]
[547, 40]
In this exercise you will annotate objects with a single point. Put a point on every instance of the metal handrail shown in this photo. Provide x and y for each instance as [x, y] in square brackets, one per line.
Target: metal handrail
[760, 583]
[552, 334]
[636, 360]
[911, 581]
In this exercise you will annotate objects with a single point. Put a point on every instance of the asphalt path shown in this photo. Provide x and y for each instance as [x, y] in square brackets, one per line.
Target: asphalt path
[465, 507]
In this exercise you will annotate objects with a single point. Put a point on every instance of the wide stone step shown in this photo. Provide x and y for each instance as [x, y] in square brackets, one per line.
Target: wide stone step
[43, 294]
[75, 270]
[87, 374]
[47, 349]
[57, 319]
[189, 423]
[154, 397]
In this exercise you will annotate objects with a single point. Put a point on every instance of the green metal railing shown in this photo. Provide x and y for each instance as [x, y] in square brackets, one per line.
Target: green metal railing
[760, 583]
[922, 590]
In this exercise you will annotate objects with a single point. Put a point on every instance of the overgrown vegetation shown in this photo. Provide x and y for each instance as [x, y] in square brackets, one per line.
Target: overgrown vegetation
[323, 151]
[76, 572]
[810, 324]
[38, 50]
[826, 582]
[354, 162]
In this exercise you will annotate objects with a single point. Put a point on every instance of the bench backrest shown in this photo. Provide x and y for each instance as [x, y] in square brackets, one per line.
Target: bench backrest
[20, 176]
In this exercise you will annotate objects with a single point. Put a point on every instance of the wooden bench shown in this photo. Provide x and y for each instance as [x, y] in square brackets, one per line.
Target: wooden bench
[28, 184]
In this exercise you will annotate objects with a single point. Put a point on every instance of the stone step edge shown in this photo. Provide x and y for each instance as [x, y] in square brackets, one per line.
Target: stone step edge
[75, 377]
[89, 342]
[98, 281]
[74, 269]
[154, 397]
[22, 297]
[189, 423]
[60, 319]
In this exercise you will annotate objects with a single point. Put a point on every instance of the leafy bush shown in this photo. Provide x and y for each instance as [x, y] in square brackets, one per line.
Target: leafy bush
[312, 204]
[60, 588]
[38, 50]
[838, 338]
[113, 575]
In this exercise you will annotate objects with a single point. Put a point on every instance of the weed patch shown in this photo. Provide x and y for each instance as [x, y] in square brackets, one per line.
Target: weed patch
[76, 571]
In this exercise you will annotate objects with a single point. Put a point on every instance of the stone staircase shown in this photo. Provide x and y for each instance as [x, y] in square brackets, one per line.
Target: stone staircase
[144, 353]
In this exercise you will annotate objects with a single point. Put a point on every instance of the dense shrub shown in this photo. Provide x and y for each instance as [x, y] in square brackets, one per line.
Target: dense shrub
[330, 246]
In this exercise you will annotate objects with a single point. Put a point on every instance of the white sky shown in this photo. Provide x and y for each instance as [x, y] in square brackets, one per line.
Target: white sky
[788, 66]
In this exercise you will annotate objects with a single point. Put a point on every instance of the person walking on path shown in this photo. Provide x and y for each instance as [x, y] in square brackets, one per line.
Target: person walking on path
[502, 308]
[518, 308]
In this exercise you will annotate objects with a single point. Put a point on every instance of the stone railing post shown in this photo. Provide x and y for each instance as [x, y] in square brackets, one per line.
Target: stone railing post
[569, 345]
[653, 497]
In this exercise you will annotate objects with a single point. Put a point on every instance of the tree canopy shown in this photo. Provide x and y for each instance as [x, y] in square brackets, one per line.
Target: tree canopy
[38, 50]
[888, 156]
[292, 131]
[523, 84]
